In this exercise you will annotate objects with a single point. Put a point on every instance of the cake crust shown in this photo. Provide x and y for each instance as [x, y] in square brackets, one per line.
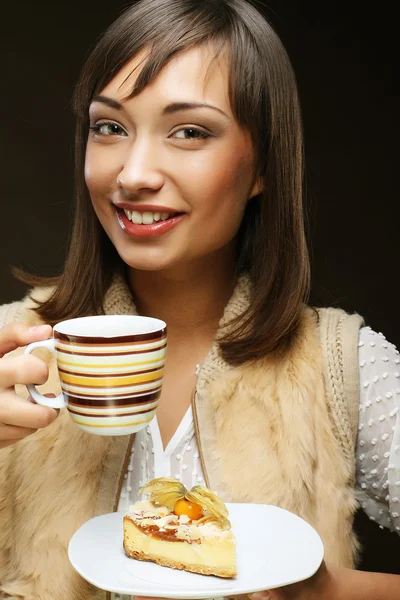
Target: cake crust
[200, 569]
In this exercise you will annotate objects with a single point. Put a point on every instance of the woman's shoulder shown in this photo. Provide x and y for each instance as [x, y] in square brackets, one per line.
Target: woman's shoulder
[344, 328]
[22, 310]
[337, 318]
[337, 329]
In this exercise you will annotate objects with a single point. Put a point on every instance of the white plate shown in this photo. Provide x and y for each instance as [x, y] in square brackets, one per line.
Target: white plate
[274, 548]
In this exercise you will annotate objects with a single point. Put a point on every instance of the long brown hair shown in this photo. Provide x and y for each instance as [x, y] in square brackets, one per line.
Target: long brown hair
[263, 94]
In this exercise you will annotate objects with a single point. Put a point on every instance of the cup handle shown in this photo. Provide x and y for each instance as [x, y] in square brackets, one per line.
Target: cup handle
[57, 402]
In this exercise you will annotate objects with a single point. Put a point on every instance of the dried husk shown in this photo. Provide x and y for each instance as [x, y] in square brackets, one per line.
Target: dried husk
[164, 490]
[167, 491]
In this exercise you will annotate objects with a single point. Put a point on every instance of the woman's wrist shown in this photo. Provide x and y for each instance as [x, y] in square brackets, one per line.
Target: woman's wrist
[350, 584]
[338, 583]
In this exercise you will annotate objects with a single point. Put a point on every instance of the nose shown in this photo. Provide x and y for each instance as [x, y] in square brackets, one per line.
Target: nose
[140, 171]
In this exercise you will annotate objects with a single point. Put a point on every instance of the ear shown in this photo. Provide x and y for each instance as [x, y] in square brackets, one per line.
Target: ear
[257, 188]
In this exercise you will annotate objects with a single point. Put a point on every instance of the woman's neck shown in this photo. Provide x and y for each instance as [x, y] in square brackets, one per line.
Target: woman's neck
[190, 300]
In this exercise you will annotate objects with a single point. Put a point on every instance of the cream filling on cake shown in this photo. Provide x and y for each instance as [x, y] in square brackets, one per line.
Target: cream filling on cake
[210, 552]
[145, 514]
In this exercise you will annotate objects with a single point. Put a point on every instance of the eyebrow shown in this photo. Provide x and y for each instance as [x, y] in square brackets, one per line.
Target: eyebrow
[177, 106]
[109, 101]
[168, 110]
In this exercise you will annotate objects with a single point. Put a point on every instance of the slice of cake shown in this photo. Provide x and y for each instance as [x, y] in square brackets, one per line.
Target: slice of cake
[181, 529]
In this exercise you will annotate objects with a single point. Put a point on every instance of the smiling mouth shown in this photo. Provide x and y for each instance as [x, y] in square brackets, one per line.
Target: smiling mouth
[147, 217]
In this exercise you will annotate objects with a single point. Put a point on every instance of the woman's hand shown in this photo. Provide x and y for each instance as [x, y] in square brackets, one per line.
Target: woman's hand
[338, 583]
[319, 586]
[20, 418]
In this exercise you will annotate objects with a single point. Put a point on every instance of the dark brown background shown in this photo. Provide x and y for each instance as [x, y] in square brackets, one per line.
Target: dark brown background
[345, 65]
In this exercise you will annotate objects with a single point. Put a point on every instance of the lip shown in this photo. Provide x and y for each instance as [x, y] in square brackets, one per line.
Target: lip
[145, 208]
[147, 231]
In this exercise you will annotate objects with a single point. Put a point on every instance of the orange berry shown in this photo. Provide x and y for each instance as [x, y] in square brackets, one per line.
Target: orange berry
[191, 509]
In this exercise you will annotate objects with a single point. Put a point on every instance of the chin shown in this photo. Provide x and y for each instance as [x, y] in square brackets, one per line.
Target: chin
[146, 267]
[148, 263]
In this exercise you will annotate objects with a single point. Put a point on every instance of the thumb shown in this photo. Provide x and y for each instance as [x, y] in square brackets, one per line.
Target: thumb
[277, 594]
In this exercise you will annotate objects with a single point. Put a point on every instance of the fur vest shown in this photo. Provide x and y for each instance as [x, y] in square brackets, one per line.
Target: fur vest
[279, 432]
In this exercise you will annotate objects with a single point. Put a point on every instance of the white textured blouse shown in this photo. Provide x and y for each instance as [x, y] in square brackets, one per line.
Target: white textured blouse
[378, 444]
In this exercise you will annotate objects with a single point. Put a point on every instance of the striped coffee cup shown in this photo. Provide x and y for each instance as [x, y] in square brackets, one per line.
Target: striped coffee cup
[111, 370]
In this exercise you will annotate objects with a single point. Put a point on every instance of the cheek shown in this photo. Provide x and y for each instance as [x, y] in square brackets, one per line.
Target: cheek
[99, 174]
[226, 185]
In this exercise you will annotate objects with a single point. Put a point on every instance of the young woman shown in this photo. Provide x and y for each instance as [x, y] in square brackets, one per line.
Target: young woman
[189, 209]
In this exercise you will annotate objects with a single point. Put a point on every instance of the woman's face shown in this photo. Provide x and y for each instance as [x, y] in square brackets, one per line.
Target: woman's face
[170, 171]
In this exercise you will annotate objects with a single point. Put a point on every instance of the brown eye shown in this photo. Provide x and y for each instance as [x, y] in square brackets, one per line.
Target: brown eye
[107, 129]
[190, 133]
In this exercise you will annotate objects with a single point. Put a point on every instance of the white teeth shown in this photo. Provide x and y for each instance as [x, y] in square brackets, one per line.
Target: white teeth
[137, 217]
[147, 218]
